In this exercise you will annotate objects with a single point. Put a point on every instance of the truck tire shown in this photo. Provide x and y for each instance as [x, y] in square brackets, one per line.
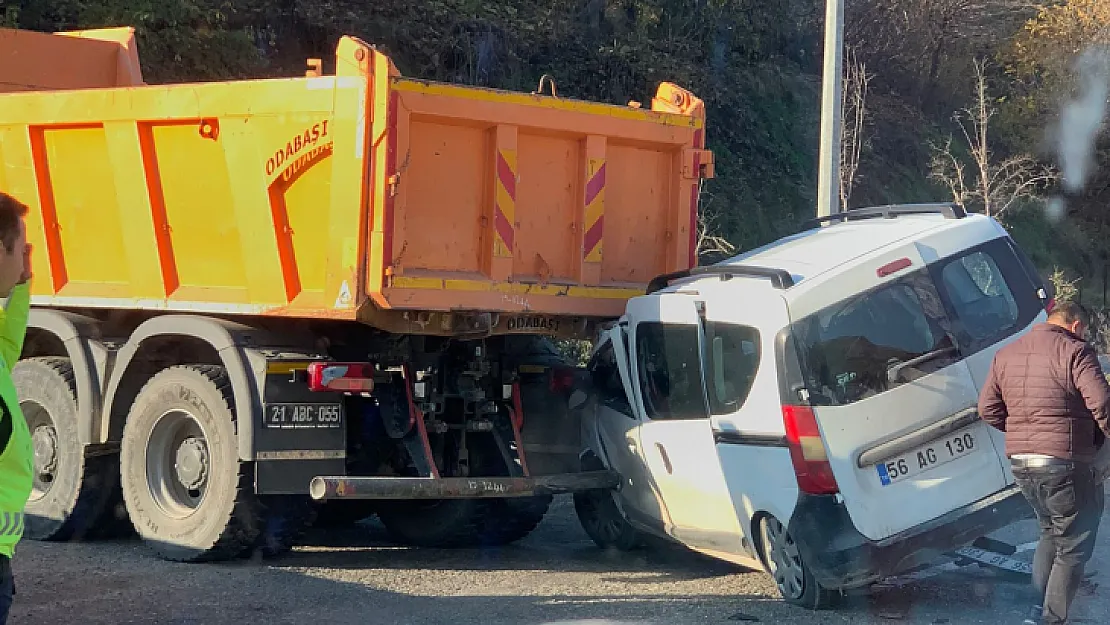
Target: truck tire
[452, 523]
[447, 523]
[506, 521]
[188, 495]
[73, 496]
[436, 523]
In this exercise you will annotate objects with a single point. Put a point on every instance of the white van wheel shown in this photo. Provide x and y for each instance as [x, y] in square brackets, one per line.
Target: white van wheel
[603, 522]
[784, 562]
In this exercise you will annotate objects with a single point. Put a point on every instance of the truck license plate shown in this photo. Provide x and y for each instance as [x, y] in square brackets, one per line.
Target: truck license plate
[926, 458]
[303, 416]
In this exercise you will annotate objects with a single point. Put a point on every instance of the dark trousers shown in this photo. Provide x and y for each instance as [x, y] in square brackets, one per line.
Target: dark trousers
[7, 588]
[1069, 504]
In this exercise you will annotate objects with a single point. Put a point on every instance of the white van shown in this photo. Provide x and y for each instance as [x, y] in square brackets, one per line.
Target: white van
[810, 406]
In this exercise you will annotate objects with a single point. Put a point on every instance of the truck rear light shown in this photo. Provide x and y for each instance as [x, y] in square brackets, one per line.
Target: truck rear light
[562, 380]
[346, 377]
[807, 451]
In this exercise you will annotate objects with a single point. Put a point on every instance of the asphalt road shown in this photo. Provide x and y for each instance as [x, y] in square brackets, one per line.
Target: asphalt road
[554, 576]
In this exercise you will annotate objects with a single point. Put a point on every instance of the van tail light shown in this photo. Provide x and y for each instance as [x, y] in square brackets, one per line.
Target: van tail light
[344, 377]
[807, 451]
[893, 267]
[1049, 305]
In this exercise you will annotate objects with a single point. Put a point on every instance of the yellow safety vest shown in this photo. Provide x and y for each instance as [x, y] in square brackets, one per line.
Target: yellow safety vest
[17, 460]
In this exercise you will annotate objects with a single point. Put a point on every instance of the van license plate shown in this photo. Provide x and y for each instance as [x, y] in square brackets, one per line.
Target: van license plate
[303, 416]
[926, 458]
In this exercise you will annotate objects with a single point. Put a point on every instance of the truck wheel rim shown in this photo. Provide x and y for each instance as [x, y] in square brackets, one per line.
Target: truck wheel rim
[44, 441]
[178, 463]
[783, 559]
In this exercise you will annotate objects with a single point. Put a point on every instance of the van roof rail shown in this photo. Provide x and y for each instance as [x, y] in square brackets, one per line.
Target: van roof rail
[890, 211]
[780, 278]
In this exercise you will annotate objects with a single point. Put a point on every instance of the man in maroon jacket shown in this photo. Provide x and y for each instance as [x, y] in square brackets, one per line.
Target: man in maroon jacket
[1046, 391]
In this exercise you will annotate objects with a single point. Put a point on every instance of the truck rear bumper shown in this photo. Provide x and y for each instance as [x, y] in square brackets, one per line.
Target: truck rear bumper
[344, 487]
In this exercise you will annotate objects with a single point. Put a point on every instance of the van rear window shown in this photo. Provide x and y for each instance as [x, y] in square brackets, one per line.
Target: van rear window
[732, 359]
[988, 292]
[860, 347]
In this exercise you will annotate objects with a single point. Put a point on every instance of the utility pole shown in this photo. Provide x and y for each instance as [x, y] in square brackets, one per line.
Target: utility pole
[828, 178]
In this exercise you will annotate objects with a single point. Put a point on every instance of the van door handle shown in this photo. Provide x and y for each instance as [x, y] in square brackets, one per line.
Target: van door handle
[666, 459]
[930, 432]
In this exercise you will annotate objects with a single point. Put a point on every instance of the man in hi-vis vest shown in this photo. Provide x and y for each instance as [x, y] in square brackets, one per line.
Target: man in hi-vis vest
[16, 452]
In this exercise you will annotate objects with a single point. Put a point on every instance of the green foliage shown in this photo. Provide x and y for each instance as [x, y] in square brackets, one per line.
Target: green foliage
[179, 40]
[574, 351]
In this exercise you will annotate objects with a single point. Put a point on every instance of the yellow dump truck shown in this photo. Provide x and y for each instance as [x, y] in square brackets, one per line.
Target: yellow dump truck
[255, 298]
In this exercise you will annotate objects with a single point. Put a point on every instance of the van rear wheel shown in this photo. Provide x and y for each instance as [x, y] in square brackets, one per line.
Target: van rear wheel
[784, 562]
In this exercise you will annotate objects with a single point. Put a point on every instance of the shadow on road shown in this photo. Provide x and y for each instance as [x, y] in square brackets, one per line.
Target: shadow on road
[69, 583]
[367, 546]
[556, 575]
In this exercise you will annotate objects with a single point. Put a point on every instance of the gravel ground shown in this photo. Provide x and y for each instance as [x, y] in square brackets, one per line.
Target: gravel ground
[554, 576]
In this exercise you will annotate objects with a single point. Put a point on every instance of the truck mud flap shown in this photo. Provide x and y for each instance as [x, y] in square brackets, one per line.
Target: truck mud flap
[339, 487]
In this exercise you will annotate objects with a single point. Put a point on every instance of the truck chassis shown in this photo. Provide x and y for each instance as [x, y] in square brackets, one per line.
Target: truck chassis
[146, 428]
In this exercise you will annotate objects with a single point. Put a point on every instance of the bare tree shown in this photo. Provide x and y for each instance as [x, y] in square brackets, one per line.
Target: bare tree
[708, 239]
[994, 187]
[915, 40]
[853, 111]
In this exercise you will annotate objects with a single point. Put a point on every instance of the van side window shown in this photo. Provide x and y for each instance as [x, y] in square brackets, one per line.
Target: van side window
[989, 293]
[668, 366]
[606, 379]
[732, 359]
[874, 342]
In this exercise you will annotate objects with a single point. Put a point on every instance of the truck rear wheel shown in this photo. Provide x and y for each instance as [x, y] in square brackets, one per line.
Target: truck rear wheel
[188, 495]
[466, 522]
[432, 523]
[506, 521]
[463, 522]
[72, 496]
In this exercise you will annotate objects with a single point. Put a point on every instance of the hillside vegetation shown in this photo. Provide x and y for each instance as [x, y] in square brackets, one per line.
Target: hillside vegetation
[755, 63]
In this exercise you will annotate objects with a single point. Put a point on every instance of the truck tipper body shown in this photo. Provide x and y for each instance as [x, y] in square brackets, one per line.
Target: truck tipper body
[253, 296]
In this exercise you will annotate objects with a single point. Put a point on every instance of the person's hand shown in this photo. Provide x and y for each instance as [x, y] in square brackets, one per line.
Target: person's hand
[26, 275]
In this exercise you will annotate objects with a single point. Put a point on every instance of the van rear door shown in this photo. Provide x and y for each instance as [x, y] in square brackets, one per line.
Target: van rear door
[893, 399]
[993, 295]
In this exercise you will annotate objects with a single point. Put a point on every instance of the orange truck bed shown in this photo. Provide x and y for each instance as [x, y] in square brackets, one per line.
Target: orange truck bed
[363, 195]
